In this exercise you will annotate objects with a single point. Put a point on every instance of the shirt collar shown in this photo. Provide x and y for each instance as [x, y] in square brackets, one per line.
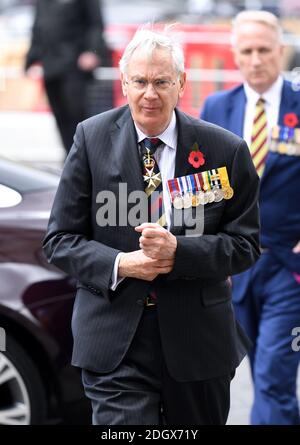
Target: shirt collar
[272, 95]
[168, 137]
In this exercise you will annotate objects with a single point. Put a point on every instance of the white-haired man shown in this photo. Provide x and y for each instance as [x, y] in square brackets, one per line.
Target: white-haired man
[153, 325]
[266, 112]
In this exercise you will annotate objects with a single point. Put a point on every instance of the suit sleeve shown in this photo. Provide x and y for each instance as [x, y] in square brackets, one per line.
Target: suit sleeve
[235, 245]
[34, 54]
[204, 113]
[94, 26]
[68, 243]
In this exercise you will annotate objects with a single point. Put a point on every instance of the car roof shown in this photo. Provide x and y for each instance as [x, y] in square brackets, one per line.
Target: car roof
[26, 179]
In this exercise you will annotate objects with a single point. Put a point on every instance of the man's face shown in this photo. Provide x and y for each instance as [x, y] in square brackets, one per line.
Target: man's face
[258, 54]
[152, 88]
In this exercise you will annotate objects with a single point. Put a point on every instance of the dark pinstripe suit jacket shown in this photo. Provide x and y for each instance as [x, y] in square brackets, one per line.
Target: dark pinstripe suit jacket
[199, 334]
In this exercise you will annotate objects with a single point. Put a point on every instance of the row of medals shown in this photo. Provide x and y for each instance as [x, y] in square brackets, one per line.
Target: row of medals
[188, 199]
[285, 140]
[197, 198]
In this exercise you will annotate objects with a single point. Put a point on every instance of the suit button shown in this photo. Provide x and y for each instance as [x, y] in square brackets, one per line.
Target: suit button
[140, 302]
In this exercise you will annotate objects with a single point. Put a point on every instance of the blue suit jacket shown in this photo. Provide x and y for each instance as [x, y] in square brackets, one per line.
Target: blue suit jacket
[280, 183]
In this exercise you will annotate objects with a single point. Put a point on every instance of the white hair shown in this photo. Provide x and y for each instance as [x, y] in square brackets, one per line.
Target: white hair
[148, 40]
[264, 17]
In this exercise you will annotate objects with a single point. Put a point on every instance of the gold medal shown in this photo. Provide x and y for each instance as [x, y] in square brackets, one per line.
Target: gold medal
[282, 148]
[195, 200]
[228, 192]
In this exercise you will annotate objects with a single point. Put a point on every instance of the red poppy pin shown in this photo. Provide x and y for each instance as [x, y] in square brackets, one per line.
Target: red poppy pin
[196, 157]
[290, 120]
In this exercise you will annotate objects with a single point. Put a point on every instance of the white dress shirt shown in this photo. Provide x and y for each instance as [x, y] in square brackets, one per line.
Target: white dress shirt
[165, 156]
[272, 99]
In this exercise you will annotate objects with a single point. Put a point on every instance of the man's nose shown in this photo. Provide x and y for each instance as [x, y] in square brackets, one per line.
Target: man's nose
[150, 91]
[255, 58]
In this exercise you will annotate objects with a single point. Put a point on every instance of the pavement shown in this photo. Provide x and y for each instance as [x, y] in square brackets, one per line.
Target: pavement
[32, 138]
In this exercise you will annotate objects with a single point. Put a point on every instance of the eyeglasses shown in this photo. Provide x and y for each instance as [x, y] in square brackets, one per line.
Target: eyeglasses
[159, 84]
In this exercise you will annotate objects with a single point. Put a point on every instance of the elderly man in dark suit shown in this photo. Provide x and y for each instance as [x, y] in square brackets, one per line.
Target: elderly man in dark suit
[67, 40]
[267, 296]
[153, 324]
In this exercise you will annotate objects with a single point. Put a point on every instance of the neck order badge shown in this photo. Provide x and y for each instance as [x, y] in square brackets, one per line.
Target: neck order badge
[153, 181]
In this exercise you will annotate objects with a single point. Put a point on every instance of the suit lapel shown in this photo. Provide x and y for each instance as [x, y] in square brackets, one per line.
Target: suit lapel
[126, 156]
[187, 137]
[236, 112]
[185, 140]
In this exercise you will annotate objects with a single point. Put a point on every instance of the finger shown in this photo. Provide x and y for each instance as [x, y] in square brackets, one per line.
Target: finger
[149, 242]
[165, 270]
[145, 225]
[164, 263]
[154, 233]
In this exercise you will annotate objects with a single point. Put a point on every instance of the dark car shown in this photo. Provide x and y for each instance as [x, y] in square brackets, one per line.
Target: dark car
[37, 383]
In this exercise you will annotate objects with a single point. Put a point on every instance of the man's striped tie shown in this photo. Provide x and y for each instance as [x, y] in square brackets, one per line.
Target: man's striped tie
[259, 137]
[156, 211]
[153, 183]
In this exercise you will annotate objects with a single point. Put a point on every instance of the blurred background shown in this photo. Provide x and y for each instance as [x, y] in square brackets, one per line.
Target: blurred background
[203, 29]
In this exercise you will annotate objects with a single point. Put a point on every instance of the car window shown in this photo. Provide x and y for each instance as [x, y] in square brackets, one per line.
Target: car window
[25, 179]
[9, 197]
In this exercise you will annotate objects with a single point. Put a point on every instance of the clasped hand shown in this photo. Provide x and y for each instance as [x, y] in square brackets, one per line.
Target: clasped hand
[156, 242]
[157, 254]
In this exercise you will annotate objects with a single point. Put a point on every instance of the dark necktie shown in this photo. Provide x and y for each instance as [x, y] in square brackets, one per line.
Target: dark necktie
[153, 181]
[154, 191]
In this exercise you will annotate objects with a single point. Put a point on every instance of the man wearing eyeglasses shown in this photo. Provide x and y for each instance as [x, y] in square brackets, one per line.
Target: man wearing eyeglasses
[153, 325]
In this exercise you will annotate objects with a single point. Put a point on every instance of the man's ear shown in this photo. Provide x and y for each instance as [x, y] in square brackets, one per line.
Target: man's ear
[236, 57]
[124, 85]
[182, 81]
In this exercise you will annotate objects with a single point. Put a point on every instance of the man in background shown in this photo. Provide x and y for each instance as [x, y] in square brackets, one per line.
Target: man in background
[265, 111]
[67, 40]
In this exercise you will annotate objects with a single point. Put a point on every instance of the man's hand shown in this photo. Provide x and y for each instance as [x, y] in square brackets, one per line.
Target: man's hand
[35, 71]
[296, 249]
[88, 61]
[156, 242]
[137, 265]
